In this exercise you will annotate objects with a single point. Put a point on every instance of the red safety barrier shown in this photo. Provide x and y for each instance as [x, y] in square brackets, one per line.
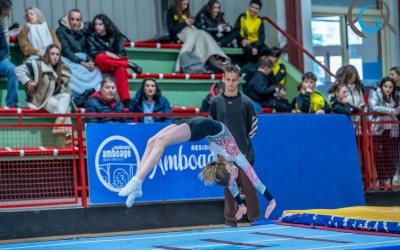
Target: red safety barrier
[153, 45]
[176, 76]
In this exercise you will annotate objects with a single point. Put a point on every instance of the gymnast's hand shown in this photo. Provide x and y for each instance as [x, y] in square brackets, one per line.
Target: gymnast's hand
[270, 208]
[242, 210]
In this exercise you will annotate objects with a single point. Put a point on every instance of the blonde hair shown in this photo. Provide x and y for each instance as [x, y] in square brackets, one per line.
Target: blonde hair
[215, 172]
[37, 12]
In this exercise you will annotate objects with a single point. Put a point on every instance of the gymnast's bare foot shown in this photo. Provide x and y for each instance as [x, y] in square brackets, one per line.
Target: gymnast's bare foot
[270, 208]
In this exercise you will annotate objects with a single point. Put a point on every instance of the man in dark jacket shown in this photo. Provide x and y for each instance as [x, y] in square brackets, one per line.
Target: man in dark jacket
[104, 101]
[71, 34]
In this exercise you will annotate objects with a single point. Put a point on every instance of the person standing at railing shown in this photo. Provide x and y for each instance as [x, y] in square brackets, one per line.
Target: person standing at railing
[339, 103]
[36, 35]
[211, 19]
[250, 33]
[6, 67]
[105, 101]
[47, 81]
[237, 112]
[106, 46]
[385, 129]
[149, 100]
[72, 35]
[182, 29]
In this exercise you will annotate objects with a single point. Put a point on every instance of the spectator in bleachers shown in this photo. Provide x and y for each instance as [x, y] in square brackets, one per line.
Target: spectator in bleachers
[339, 103]
[7, 67]
[309, 100]
[348, 75]
[279, 102]
[395, 75]
[182, 29]
[107, 49]
[385, 100]
[35, 36]
[211, 19]
[293, 102]
[71, 34]
[250, 32]
[105, 101]
[47, 81]
[278, 69]
[216, 89]
[260, 86]
[5, 9]
[149, 100]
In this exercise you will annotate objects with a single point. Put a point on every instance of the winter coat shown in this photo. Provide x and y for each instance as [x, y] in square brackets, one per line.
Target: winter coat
[44, 76]
[26, 48]
[205, 22]
[97, 104]
[97, 45]
[376, 103]
[161, 105]
[72, 42]
[260, 87]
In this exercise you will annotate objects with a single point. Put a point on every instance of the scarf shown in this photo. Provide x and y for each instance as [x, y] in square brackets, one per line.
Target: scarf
[39, 35]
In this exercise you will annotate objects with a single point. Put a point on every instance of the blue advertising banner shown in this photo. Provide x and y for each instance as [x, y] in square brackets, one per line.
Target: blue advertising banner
[113, 155]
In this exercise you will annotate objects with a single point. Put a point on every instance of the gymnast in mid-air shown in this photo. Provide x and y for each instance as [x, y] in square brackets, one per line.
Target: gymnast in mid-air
[221, 171]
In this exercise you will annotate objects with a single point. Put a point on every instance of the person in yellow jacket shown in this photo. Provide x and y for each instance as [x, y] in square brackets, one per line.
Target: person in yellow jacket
[310, 101]
[278, 69]
[250, 32]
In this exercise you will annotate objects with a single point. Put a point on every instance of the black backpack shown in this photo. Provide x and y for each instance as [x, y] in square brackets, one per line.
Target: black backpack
[80, 100]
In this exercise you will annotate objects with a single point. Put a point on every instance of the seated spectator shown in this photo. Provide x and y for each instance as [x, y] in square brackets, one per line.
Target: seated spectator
[35, 36]
[216, 89]
[47, 87]
[149, 100]
[211, 19]
[293, 103]
[71, 34]
[310, 101]
[249, 28]
[385, 100]
[14, 29]
[279, 69]
[104, 101]
[6, 67]
[182, 29]
[280, 103]
[107, 49]
[339, 103]
[260, 85]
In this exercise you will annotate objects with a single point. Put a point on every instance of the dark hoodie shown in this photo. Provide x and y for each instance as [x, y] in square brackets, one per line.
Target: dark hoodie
[72, 42]
[205, 105]
[97, 104]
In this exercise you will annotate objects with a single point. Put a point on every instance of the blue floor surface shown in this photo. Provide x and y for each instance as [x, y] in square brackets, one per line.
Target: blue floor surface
[271, 236]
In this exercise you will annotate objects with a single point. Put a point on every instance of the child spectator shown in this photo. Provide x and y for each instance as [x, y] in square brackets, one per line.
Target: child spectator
[339, 103]
[250, 33]
[71, 33]
[278, 69]
[106, 47]
[182, 29]
[35, 36]
[104, 101]
[211, 19]
[310, 101]
[385, 100]
[216, 89]
[280, 103]
[6, 67]
[260, 86]
[149, 100]
[49, 93]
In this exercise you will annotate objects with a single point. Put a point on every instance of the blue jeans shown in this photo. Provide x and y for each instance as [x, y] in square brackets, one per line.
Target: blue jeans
[7, 70]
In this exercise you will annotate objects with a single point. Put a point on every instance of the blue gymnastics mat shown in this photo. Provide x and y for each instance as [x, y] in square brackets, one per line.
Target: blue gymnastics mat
[271, 236]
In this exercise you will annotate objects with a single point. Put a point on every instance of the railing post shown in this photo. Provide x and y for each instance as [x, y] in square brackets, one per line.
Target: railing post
[82, 163]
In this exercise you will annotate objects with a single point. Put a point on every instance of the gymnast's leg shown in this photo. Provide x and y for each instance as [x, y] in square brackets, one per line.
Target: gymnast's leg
[158, 143]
